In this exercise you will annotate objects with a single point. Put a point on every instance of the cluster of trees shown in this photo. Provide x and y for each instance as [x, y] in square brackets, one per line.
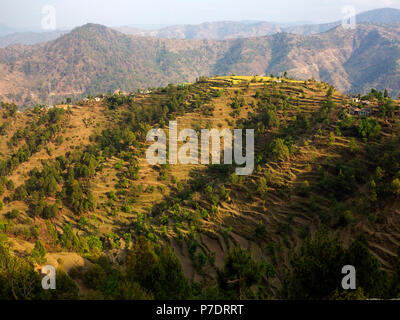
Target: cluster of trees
[116, 100]
[72, 172]
[151, 272]
[316, 270]
[376, 94]
[79, 197]
[114, 140]
[239, 274]
[10, 109]
[89, 246]
[46, 211]
[43, 183]
[368, 128]
[326, 110]
[20, 281]
[237, 102]
[342, 179]
[274, 100]
[387, 108]
[154, 272]
[383, 183]
[268, 119]
[35, 137]
[280, 149]
[85, 167]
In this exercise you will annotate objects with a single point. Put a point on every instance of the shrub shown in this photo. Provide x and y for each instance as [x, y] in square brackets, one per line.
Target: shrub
[95, 277]
[39, 253]
[279, 150]
[13, 214]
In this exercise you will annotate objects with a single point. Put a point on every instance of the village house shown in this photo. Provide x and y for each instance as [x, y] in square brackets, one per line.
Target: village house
[145, 91]
[364, 112]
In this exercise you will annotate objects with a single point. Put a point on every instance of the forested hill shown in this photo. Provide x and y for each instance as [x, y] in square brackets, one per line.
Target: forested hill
[94, 59]
[77, 192]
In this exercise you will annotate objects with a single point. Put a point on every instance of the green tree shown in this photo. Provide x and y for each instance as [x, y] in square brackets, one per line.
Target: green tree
[396, 186]
[39, 253]
[13, 214]
[330, 92]
[50, 211]
[132, 291]
[95, 277]
[353, 145]
[369, 128]
[270, 119]
[386, 93]
[66, 287]
[162, 275]
[279, 149]
[18, 277]
[262, 186]
[239, 273]
[316, 268]
[172, 283]
[370, 277]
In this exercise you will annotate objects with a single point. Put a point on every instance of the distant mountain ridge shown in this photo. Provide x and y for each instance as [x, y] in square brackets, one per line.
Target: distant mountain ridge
[220, 30]
[231, 30]
[95, 59]
[209, 30]
[29, 38]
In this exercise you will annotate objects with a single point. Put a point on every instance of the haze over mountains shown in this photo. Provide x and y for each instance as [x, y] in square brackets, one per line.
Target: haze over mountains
[95, 59]
[4, 30]
[29, 38]
[219, 30]
[231, 30]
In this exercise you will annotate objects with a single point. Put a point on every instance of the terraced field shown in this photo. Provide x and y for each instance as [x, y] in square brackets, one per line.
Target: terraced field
[204, 211]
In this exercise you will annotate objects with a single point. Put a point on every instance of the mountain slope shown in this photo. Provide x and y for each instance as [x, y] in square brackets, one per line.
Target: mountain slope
[219, 30]
[376, 16]
[230, 30]
[81, 184]
[93, 59]
[209, 30]
[383, 15]
[29, 38]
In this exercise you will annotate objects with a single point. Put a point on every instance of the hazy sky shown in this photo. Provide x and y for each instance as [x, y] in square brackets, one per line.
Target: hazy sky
[70, 13]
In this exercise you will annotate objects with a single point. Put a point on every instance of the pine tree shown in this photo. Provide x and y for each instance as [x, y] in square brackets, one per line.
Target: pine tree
[39, 253]
[240, 272]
